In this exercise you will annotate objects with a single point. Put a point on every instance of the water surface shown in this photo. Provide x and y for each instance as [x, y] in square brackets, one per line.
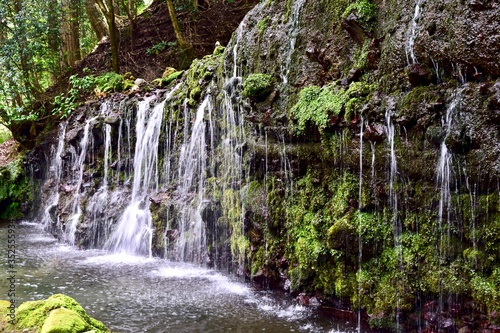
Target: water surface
[137, 294]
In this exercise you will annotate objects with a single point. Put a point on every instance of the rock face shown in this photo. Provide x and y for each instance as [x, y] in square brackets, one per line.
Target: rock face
[367, 173]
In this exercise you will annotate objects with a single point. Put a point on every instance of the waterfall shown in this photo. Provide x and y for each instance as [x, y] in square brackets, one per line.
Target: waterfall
[360, 205]
[393, 169]
[55, 173]
[411, 34]
[80, 166]
[134, 231]
[190, 243]
[292, 30]
[443, 171]
[393, 203]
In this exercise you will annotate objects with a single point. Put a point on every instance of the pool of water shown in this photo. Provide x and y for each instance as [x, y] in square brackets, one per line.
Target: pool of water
[136, 294]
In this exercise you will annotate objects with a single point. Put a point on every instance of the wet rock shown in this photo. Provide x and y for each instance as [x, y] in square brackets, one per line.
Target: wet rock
[354, 75]
[172, 234]
[303, 299]
[68, 188]
[479, 4]
[434, 134]
[313, 301]
[418, 75]
[112, 119]
[465, 329]
[72, 135]
[354, 29]
[375, 132]
[159, 198]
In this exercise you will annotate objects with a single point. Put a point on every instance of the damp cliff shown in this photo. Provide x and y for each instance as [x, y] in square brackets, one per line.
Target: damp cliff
[343, 150]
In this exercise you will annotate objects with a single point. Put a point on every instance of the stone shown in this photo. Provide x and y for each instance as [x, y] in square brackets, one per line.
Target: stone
[354, 29]
[168, 71]
[375, 132]
[418, 75]
[303, 299]
[112, 119]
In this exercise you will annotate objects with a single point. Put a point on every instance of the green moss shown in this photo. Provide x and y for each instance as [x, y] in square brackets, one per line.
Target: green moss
[163, 82]
[316, 105]
[262, 26]
[34, 314]
[257, 86]
[365, 10]
[418, 96]
[64, 321]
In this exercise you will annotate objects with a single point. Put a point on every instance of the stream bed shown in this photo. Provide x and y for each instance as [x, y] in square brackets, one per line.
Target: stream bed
[137, 294]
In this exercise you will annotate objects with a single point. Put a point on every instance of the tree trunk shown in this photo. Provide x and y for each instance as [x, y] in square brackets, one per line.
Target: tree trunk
[183, 44]
[113, 35]
[96, 19]
[70, 32]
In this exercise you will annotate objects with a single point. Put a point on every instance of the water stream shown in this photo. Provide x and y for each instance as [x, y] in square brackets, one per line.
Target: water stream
[136, 294]
[412, 32]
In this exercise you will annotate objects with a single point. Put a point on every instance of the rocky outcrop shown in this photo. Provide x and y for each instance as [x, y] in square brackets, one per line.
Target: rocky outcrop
[343, 149]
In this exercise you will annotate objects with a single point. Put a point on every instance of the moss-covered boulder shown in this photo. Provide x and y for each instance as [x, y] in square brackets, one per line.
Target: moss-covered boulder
[63, 320]
[57, 314]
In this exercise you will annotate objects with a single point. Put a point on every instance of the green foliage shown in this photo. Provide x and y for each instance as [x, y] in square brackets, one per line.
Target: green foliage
[15, 189]
[159, 47]
[365, 10]
[257, 86]
[66, 103]
[5, 134]
[111, 82]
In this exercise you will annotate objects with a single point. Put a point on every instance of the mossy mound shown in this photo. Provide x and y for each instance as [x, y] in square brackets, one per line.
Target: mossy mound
[57, 314]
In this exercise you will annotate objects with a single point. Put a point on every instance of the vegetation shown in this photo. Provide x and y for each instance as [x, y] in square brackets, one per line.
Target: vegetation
[257, 86]
[16, 190]
[317, 105]
[366, 10]
[5, 134]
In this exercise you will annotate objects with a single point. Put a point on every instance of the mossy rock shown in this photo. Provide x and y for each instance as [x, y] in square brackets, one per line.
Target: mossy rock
[64, 321]
[35, 315]
[257, 86]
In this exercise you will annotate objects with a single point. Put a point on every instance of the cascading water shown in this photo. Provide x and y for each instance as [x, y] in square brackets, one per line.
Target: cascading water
[360, 205]
[133, 233]
[80, 166]
[55, 172]
[393, 202]
[443, 171]
[190, 243]
[412, 32]
[393, 169]
[293, 28]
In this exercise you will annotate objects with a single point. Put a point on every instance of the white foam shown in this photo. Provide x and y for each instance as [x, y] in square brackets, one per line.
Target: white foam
[117, 258]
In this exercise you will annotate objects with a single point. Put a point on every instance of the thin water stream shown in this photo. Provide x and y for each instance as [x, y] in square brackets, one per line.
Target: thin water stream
[136, 294]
